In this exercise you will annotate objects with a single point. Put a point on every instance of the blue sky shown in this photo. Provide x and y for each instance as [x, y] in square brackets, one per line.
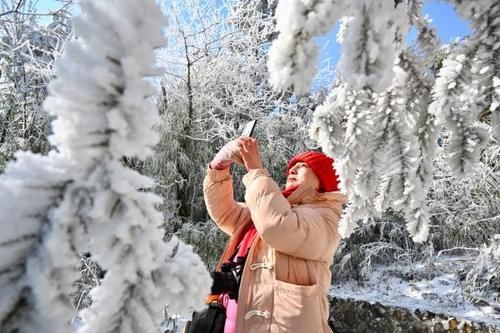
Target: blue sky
[47, 5]
[449, 26]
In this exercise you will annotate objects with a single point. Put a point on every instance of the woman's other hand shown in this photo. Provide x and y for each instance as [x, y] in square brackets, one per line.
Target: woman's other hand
[249, 152]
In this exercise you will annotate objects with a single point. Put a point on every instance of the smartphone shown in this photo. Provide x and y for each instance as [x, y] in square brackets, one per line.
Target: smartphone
[248, 129]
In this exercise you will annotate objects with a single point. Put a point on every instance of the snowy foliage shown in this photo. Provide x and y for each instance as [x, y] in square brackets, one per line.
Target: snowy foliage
[143, 273]
[467, 85]
[38, 257]
[427, 39]
[88, 200]
[380, 123]
[374, 138]
[328, 125]
[90, 276]
[482, 282]
[465, 210]
[39, 260]
[206, 238]
[293, 55]
[373, 37]
[28, 51]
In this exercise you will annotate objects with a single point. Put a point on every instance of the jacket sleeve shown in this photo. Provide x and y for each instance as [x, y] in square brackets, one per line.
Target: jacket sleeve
[219, 200]
[302, 233]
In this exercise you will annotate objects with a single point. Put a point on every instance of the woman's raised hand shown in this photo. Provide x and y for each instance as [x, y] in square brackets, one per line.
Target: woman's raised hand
[249, 151]
[225, 157]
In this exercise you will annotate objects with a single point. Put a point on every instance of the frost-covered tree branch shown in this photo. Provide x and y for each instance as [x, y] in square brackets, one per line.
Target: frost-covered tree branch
[373, 137]
[468, 85]
[14, 10]
[89, 200]
[37, 245]
[293, 55]
[373, 38]
[427, 39]
[455, 105]
[393, 152]
[383, 139]
[143, 273]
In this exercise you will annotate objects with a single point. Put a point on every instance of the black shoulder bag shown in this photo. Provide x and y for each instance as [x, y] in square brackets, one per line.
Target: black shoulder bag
[210, 320]
[213, 318]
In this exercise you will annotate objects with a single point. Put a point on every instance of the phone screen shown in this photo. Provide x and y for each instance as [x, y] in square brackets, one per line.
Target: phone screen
[249, 127]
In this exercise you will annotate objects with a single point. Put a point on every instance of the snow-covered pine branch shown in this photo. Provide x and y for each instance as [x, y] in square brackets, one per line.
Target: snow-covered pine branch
[385, 158]
[357, 154]
[373, 38]
[293, 55]
[467, 85]
[455, 105]
[427, 39]
[407, 191]
[38, 258]
[366, 161]
[388, 168]
[329, 121]
[81, 197]
[104, 112]
[330, 127]
[417, 90]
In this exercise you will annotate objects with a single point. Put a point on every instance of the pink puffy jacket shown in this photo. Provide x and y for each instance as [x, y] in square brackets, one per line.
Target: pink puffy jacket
[286, 276]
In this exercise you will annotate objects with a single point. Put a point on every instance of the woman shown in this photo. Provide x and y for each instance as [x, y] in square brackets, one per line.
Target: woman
[291, 237]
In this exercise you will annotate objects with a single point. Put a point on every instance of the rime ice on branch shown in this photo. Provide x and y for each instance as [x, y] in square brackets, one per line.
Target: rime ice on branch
[143, 273]
[293, 55]
[88, 200]
[38, 259]
[373, 39]
[378, 122]
[468, 86]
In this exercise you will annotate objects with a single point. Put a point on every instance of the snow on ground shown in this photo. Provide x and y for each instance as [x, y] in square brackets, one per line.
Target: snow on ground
[432, 287]
[439, 293]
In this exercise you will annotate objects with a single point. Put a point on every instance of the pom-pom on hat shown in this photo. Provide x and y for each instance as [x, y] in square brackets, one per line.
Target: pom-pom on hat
[321, 165]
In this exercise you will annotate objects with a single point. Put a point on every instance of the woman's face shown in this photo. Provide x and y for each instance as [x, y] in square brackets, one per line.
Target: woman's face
[300, 174]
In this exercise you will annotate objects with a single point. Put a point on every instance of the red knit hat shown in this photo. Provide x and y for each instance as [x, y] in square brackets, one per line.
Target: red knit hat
[321, 165]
